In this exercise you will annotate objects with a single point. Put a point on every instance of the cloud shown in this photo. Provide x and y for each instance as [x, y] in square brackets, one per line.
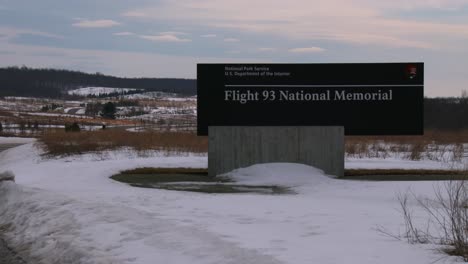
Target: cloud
[101, 23]
[266, 49]
[123, 33]
[2, 52]
[445, 5]
[9, 33]
[307, 50]
[358, 22]
[118, 63]
[134, 14]
[445, 70]
[231, 40]
[165, 38]
[173, 33]
[208, 36]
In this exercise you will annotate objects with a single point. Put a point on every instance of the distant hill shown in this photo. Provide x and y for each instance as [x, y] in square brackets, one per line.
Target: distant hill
[439, 113]
[55, 83]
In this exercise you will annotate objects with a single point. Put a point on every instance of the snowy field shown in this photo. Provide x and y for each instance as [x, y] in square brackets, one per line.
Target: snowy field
[141, 94]
[15, 140]
[398, 163]
[150, 95]
[85, 91]
[68, 211]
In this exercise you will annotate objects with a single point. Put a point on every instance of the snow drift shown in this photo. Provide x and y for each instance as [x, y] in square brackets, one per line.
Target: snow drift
[281, 174]
[67, 210]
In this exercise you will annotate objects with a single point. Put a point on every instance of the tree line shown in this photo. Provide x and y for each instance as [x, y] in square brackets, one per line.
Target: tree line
[449, 113]
[53, 83]
[439, 113]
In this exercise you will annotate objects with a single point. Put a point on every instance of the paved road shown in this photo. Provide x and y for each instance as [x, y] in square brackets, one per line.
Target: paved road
[7, 255]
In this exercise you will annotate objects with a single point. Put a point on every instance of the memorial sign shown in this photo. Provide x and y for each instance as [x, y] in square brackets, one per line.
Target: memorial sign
[365, 98]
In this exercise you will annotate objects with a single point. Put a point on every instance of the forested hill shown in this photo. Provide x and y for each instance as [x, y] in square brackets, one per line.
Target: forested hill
[53, 83]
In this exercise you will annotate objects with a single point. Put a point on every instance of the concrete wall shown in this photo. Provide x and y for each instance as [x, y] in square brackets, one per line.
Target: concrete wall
[240, 146]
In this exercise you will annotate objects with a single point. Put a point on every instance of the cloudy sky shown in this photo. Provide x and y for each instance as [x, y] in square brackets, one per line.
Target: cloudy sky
[166, 38]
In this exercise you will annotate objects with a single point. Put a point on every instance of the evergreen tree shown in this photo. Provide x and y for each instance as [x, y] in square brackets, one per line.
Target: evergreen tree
[108, 110]
[72, 127]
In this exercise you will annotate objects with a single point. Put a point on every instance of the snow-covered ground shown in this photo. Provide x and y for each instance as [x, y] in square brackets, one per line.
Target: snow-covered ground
[148, 95]
[98, 91]
[16, 140]
[57, 115]
[381, 155]
[166, 113]
[395, 163]
[68, 211]
[182, 99]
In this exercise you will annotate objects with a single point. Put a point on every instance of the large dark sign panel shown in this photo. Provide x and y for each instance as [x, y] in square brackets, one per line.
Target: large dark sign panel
[365, 98]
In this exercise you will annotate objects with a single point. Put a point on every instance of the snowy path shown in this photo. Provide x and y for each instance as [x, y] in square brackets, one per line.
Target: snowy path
[4, 147]
[130, 234]
[11, 142]
[69, 211]
[7, 256]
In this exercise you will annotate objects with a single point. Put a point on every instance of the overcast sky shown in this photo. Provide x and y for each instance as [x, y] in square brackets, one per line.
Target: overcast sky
[166, 38]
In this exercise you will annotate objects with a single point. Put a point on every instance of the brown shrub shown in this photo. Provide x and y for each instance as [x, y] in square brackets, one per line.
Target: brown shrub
[60, 143]
[417, 150]
[430, 136]
[433, 145]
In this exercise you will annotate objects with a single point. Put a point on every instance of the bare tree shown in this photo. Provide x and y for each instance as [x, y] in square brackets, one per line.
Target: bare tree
[446, 215]
[464, 94]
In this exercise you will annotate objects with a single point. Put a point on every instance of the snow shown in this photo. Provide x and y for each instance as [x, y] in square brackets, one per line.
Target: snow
[148, 95]
[18, 98]
[166, 112]
[394, 163]
[98, 91]
[381, 155]
[67, 210]
[16, 140]
[135, 129]
[181, 99]
[278, 174]
[86, 91]
[58, 115]
[75, 110]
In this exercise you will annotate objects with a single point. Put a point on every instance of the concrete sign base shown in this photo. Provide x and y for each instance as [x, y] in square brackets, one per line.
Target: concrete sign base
[232, 147]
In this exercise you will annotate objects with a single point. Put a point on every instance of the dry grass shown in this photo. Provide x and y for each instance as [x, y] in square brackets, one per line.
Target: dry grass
[430, 136]
[404, 174]
[9, 134]
[371, 172]
[64, 119]
[436, 145]
[60, 143]
[5, 113]
[167, 103]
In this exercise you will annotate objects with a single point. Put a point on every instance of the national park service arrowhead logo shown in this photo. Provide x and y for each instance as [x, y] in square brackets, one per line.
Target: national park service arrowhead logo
[411, 71]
